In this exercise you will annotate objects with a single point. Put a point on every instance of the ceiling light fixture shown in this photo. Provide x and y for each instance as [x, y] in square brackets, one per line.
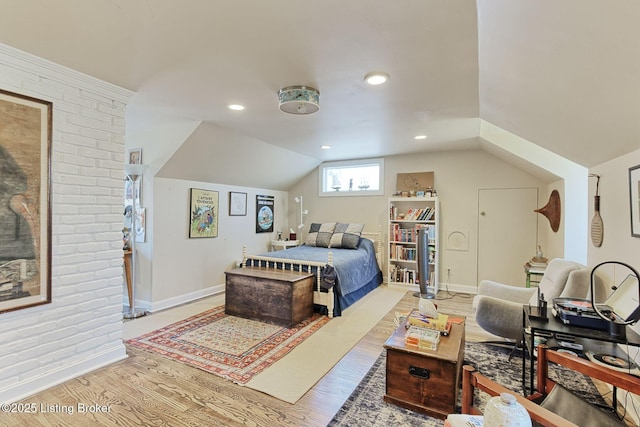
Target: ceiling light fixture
[235, 107]
[376, 78]
[418, 137]
[299, 100]
[325, 147]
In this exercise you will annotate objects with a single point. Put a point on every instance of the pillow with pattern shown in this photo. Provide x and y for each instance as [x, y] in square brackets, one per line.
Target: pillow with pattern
[320, 234]
[346, 236]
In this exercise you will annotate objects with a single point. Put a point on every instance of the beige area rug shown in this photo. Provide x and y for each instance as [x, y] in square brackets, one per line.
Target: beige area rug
[297, 372]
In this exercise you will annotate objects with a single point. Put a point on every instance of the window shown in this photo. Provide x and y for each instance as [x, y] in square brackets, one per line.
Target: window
[352, 178]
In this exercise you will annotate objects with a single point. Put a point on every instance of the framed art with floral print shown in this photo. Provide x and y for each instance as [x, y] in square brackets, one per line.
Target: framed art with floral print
[25, 194]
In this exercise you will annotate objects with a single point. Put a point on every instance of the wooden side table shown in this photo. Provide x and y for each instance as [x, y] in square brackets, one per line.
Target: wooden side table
[534, 274]
[278, 245]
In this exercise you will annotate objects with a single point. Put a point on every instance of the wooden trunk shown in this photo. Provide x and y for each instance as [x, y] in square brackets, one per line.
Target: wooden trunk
[284, 298]
[425, 381]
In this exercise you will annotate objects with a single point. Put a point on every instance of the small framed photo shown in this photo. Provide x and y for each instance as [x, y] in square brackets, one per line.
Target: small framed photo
[237, 204]
[135, 156]
[634, 199]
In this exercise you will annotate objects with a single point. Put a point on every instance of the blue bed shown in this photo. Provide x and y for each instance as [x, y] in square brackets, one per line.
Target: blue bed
[357, 271]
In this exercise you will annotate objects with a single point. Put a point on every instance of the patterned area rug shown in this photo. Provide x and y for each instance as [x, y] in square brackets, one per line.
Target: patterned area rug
[231, 347]
[366, 406]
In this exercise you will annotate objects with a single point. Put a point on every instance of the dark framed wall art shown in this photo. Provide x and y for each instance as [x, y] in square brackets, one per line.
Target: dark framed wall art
[264, 214]
[25, 208]
[634, 199]
[204, 214]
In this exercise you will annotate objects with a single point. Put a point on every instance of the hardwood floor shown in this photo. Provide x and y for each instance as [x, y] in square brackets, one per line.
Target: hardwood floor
[148, 390]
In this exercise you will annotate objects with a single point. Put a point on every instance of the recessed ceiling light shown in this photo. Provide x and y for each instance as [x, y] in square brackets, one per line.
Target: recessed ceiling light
[420, 137]
[376, 78]
[235, 107]
[325, 147]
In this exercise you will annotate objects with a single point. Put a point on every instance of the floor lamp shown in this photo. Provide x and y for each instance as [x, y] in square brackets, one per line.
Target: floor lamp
[134, 172]
[303, 211]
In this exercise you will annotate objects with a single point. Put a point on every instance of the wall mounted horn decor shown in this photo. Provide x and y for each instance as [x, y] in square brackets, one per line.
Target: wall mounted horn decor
[552, 210]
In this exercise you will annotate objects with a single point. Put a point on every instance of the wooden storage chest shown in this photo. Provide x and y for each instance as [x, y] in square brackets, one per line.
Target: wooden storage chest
[284, 298]
[425, 381]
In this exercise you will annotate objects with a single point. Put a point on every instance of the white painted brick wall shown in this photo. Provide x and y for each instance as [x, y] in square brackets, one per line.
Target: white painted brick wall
[82, 328]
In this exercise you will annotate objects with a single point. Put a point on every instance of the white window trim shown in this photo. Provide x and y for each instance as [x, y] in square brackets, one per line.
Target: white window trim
[350, 163]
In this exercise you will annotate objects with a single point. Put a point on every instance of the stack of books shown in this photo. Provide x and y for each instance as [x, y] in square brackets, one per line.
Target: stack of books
[422, 338]
[536, 263]
[440, 323]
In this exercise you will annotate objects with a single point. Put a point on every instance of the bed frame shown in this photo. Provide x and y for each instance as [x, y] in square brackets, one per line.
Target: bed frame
[321, 298]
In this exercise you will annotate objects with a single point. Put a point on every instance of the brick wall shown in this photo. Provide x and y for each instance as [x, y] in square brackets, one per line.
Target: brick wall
[82, 328]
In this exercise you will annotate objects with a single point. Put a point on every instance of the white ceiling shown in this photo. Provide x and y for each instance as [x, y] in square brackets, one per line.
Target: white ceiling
[564, 75]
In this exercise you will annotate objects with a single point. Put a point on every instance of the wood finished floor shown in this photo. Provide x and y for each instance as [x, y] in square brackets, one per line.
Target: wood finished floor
[148, 390]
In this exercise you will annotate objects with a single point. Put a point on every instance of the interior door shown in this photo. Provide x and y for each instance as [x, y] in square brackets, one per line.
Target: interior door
[507, 233]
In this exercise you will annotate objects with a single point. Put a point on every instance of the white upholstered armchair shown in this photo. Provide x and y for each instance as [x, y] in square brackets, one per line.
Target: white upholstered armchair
[499, 306]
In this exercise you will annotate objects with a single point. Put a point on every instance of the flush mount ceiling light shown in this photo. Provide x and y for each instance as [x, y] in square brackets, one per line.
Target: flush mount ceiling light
[419, 137]
[376, 78]
[235, 107]
[299, 99]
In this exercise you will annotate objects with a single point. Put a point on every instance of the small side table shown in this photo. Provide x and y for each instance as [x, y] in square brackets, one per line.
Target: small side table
[279, 245]
[534, 274]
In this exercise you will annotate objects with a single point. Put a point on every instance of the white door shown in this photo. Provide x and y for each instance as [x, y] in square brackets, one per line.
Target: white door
[507, 233]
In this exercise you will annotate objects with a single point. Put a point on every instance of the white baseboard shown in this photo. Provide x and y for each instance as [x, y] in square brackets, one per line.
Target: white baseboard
[31, 386]
[180, 299]
[454, 287]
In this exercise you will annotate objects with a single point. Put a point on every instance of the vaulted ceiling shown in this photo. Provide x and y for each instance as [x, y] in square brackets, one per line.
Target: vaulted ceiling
[563, 75]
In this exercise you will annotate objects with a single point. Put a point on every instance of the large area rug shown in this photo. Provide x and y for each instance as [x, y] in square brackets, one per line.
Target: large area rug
[285, 366]
[366, 406]
[231, 347]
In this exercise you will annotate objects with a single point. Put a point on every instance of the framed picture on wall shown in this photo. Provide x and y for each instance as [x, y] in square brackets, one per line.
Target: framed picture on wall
[237, 204]
[264, 214]
[203, 214]
[25, 215]
[135, 156]
[634, 199]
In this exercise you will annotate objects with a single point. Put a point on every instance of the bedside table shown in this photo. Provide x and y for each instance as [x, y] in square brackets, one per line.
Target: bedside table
[278, 245]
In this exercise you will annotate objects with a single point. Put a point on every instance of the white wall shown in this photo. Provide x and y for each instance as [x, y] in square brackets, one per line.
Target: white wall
[458, 175]
[617, 242]
[184, 269]
[81, 329]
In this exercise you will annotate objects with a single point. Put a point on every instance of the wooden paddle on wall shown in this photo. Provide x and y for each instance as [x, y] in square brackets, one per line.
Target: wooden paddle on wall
[597, 226]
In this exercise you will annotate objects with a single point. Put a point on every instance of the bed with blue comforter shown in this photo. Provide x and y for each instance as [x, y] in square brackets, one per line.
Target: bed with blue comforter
[356, 271]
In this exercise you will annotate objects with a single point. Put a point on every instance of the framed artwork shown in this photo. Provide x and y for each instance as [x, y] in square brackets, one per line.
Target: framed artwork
[264, 214]
[203, 220]
[141, 225]
[634, 199]
[135, 156]
[25, 214]
[237, 204]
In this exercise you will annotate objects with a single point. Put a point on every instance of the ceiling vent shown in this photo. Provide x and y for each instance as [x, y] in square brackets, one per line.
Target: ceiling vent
[299, 99]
